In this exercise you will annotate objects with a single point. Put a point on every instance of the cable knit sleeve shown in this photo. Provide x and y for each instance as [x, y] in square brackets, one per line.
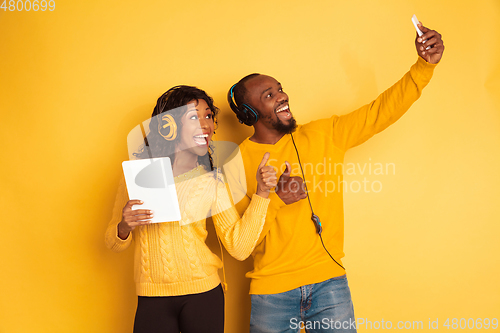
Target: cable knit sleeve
[113, 242]
[238, 234]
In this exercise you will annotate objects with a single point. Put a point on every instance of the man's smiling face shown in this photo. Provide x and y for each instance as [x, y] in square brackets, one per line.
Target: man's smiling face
[266, 95]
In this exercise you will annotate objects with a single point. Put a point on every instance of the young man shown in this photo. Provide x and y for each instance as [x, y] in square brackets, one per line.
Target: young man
[298, 273]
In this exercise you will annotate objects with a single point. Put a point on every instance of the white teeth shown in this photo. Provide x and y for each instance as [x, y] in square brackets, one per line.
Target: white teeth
[201, 139]
[285, 108]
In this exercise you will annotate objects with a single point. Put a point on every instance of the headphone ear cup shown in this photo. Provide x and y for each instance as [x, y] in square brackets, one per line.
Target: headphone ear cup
[246, 114]
[167, 124]
[251, 115]
[242, 116]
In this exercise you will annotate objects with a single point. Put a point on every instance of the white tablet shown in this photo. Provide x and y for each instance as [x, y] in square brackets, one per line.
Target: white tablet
[152, 181]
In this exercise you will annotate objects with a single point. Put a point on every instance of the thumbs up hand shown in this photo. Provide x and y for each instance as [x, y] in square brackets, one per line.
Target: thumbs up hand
[266, 177]
[290, 189]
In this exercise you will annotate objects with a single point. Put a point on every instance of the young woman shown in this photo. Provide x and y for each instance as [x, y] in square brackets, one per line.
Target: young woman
[176, 274]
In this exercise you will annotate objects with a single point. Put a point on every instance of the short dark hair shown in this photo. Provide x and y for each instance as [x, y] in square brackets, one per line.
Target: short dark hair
[240, 91]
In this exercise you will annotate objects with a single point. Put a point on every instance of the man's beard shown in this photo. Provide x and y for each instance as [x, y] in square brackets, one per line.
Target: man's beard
[285, 129]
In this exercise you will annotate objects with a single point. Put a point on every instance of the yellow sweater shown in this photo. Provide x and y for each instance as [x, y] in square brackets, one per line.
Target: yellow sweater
[174, 260]
[289, 253]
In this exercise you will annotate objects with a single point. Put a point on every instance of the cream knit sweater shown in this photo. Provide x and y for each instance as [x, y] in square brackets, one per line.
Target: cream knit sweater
[174, 260]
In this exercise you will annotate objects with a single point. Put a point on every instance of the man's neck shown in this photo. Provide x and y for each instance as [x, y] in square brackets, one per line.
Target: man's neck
[266, 137]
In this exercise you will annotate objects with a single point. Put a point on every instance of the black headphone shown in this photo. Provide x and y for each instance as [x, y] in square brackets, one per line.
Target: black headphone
[246, 114]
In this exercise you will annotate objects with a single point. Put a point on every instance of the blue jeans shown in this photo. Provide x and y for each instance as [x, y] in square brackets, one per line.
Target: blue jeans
[319, 307]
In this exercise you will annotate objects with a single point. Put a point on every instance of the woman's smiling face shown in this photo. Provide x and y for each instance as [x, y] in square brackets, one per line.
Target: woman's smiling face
[197, 128]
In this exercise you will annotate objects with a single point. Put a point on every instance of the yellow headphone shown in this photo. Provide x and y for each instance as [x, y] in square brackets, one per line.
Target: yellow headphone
[170, 124]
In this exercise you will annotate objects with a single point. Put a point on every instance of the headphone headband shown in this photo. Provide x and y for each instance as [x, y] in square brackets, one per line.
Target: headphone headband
[246, 114]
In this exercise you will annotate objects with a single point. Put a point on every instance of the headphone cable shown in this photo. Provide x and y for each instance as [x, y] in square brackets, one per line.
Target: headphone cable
[317, 223]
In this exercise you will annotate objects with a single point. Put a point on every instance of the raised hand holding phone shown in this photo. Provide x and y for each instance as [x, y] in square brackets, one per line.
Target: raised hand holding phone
[428, 42]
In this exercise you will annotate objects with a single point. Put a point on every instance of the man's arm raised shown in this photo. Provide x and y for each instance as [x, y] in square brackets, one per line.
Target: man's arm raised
[358, 126]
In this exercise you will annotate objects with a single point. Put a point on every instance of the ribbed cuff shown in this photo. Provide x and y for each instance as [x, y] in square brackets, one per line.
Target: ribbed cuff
[178, 288]
[260, 204]
[119, 244]
[423, 69]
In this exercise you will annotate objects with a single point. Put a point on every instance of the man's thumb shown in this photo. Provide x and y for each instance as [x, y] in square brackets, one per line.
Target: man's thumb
[286, 174]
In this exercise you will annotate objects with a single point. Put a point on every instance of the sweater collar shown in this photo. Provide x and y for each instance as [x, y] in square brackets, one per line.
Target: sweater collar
[277, 146]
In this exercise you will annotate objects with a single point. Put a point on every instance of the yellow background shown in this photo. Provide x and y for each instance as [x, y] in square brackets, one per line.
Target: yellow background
[74, 81]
